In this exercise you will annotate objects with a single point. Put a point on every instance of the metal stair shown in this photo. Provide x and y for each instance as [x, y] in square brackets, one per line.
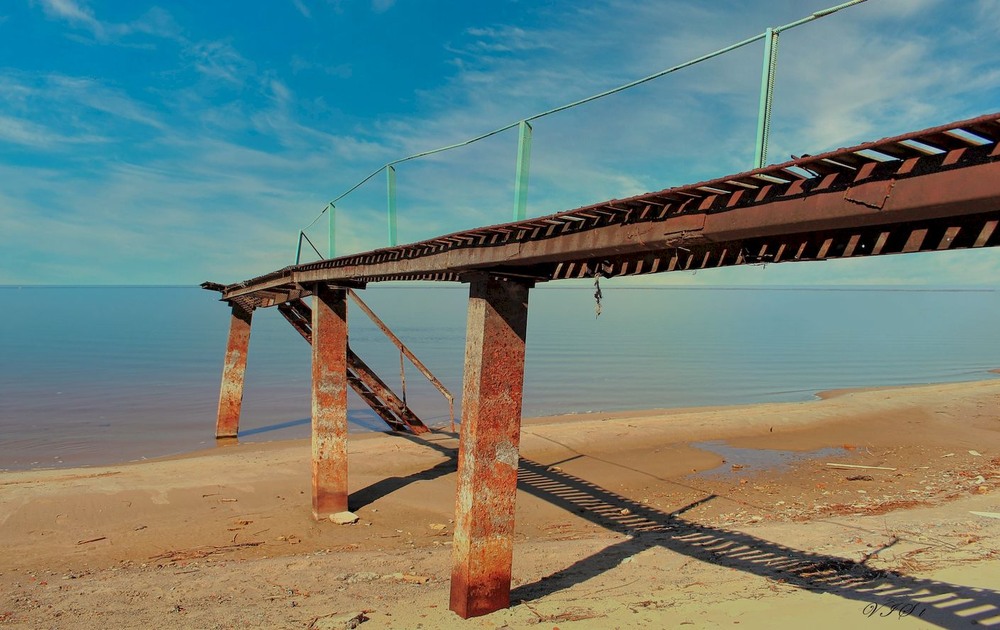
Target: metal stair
[373, 390]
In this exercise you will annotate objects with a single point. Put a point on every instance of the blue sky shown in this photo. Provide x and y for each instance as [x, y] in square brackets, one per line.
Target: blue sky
[190, 141]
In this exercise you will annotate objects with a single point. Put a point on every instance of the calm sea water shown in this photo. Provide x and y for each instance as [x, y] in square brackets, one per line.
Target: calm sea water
[105, 375]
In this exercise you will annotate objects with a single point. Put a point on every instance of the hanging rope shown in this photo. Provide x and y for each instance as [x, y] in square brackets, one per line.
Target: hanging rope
[597, 294]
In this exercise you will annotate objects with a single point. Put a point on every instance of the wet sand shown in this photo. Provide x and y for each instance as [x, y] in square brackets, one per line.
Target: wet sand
[703, 517]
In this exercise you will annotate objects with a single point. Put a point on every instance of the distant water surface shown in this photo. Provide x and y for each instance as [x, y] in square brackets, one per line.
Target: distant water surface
[111, 374]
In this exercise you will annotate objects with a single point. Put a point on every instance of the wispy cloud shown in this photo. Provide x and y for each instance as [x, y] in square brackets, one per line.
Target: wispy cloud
[34, 135]
[302, 8]
[381, 6]
[155, 21]
[503, 39]
[206, 167]
[301, 64]
[219, 60]
[54, 111]
[75, 14]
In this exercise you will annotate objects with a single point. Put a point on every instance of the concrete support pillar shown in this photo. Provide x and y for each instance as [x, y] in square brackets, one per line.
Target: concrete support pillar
[227, 423]
[488, 448]
[329, 402]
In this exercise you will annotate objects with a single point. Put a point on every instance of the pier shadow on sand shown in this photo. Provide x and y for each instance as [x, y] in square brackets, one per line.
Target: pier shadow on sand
[935, 602]
[357, 421]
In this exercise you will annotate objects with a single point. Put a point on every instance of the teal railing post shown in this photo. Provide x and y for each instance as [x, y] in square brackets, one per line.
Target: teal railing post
[331, 237]
[766, 94]
[390, 182]
[523, 160]
[298, 249]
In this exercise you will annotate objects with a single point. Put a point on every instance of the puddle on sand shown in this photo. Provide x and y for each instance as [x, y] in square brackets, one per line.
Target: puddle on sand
[754, 460]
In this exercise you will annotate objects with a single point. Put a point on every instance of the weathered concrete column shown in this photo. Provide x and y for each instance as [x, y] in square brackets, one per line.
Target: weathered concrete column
[227, 423]
[329, 402]
[488, 448]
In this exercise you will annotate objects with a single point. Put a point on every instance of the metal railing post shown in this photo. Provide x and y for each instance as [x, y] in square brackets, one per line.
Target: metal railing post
[521, 176]
[770, 37]
[766, 94]
[332, 232]
[390, 181]
[298, 249]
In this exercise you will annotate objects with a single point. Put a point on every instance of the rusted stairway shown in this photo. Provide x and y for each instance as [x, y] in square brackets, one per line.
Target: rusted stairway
[361, 378]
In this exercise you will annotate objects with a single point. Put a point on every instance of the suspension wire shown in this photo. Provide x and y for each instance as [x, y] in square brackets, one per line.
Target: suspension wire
[656, 75]
[306, 236]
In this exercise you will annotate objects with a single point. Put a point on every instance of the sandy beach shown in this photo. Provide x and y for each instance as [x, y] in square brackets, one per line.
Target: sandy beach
[700, 517]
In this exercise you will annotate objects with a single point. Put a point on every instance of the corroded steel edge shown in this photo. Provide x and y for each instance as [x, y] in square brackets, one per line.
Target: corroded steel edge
[798, 179]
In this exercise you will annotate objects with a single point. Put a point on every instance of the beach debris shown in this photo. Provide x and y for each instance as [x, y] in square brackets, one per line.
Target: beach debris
[92, 540]
[975, 453]
[861, 478]
[554, 469]
[987, 514]
[344, 518]
[333, 621]
[410, 578]
[836, 465]
[625, 511]
[201, 552]
[357, 578]
[437, 526]
[947, 455]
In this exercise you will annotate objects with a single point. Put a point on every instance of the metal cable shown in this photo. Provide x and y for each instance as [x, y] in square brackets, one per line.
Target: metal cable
[815, 16]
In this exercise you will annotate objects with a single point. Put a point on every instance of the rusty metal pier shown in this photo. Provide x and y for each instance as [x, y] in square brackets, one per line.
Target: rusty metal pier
[931, 190]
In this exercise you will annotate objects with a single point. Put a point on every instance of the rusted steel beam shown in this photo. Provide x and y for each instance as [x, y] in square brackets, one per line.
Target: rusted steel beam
[388, 398]
[405, 351]
[956, 192]
[234, 368]
[329, 401]
[372, 389]
[790, 202]
[488, 447]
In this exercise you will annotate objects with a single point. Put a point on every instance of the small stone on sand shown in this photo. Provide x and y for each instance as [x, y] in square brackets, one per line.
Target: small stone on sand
[344, 518]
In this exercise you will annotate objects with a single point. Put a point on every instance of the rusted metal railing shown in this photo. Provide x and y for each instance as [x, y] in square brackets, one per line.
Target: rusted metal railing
[404, 351]
[769, 37]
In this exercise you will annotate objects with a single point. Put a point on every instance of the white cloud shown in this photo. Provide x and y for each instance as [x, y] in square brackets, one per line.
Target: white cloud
[503, 39]
[302, 8]
[75, 14]
[37, 136]
[155, 22]
[219, 60]
[243, 149]
[301, 64]
[381, 6]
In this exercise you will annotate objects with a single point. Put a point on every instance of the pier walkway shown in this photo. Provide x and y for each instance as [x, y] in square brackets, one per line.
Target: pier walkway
[931, 190]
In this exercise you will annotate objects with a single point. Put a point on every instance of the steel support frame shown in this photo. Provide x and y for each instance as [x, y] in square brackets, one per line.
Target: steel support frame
[329, 401]
[233, 371]
[522, 170]
[488, 446]
[958, 192]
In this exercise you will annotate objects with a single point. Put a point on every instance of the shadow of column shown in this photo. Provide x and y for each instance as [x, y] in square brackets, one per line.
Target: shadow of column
[938, 603]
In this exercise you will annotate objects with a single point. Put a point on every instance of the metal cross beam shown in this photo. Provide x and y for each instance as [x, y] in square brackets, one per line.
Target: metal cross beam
[940, 180]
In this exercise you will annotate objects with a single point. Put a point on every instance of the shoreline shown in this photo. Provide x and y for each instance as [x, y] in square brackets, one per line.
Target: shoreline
[567, 418]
